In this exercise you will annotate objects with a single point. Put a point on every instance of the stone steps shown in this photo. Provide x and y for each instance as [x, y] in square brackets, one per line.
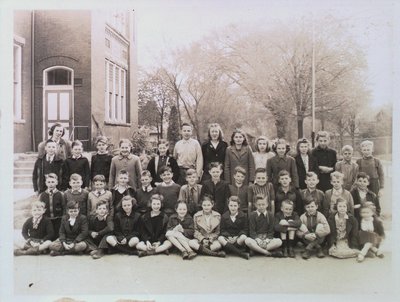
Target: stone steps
[23, 168]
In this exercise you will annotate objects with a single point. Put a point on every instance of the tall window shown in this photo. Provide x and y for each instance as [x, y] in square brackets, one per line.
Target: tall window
[115, 93]
[17, 82]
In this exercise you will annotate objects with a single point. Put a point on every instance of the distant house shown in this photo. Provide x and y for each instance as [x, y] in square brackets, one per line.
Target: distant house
[77, 68]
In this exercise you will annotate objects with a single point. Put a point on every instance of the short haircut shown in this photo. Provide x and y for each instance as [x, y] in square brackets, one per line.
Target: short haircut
[75, 176]
[158, 197]
[51, 175]
[72, 204]
[165, 169]
[76, 143]
[310, 200]
[261, 197]
[287, 202]
[340, 200]
[38, 204]
[49, 141]
[337, 175]
[347, 148]
[145, 173]
[191, 172]
[362, 175]
[180, 202]
[52, 128]
[101, 202]
[207, 198]
[367, 143]
[280, 141]
[128, 198]
[217, 126]
[99, 177]
[283, 173]
[101, 139]
[234, 198]
[260, 170]
[240, 169]
[163, 142]
[123, 172]
[240, 131]
[311, 174]
[322, 134]
[125, 141]
[215, 165]
[262, 138]
[186, 124]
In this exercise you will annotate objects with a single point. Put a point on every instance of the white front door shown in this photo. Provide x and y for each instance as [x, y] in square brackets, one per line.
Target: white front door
[58, 109]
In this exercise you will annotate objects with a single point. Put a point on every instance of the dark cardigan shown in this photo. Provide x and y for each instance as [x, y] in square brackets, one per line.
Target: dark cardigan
[146, 230]
[239, 227]
[294, 223]
[301, 169]
[44, 231]
[107, 230]
[100, 165]
[79, 166]
[186, 223]
[77, 233]
[351, 231]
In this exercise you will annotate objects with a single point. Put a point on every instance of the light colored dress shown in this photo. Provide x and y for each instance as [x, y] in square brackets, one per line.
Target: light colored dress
[260, 159]
[341, 248]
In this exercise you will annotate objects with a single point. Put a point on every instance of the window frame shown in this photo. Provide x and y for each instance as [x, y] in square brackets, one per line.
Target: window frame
[17, 83]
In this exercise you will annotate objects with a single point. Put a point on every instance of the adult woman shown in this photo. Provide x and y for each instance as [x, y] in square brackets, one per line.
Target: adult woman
[56, 134]
[214, 149]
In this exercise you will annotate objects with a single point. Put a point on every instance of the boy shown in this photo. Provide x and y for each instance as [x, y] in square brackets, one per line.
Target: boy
[287, 223]
[325, 160]
[168, 189]
[48, 163]
[99, 194]
[54, 202]
[261, 188]
[337, 191]
[76, 164]
[143, 195]
[362, 195]
[261, 231]
[287, 191]
[240, 189]
[188, 155]
[37, 231]
[312, 192]
[77, 193]
[101, 161]
[347, 167]
[121, 189]
[216, 188]
[313, 230]
[73, 232]
[190, 193]
[372, 167]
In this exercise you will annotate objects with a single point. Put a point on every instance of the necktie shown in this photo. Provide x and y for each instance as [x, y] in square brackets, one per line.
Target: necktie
[191, 197]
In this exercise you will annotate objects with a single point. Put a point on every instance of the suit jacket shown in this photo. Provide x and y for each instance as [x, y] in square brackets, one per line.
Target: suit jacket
[146, 229]
[237, 228]
[202, 230]
[243, 158]
[77, 233]
[187, 224]
[301, 169]
[351, 231]
[152, 166]
[294, 222]
[43, 167]
[254, 231]
[219, 192]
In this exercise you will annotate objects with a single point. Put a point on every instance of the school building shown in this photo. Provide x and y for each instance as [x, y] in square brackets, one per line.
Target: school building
[78, 68]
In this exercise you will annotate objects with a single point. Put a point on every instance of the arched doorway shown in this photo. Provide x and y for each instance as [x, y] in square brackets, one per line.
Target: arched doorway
[58, 98]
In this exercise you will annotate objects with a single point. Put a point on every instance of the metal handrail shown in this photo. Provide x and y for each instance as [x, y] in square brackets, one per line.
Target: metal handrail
[71, 135]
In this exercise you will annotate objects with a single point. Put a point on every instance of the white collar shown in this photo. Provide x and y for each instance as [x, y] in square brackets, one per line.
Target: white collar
[77, 157]
[259, 213]
[149, 188]
[163, 184]
[54, 190]
[79, 191]
[345, 216]
[101, 192]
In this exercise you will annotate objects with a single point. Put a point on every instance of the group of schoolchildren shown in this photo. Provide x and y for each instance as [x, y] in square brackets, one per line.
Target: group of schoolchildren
[211, 200]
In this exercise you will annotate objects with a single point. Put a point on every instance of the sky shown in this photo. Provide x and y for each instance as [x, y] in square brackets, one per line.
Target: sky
[165, 25]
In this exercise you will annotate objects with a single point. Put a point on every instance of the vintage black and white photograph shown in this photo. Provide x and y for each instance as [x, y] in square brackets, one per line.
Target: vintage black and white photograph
[199, 150]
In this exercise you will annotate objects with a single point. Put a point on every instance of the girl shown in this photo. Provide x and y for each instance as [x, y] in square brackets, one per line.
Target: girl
[160, 160]
[180, 230]
[234, 228]
[126, 161]
[101, 161]
[342, 240]
[206, 230]
[76, 164]
[281, 161]
[239, 154]
[371, 232]
[263, 152]
[126, 228]
[214, 149]
[100, 225]
[56, 134]
[153, 229]
[304, 161]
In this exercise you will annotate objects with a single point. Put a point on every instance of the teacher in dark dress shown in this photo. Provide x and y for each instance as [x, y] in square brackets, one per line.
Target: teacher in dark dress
[213, 150]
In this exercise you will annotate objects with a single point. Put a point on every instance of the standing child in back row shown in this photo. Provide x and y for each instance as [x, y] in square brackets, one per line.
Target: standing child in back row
[372, 167]
[263, 152]
[347, 167]
[101, 161]
[239, 189]
[76, 164]
[305, 163]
